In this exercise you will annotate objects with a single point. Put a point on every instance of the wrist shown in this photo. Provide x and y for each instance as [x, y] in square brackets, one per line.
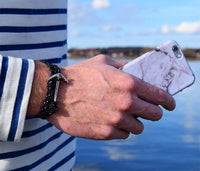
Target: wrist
[49, 106]
[39, 88]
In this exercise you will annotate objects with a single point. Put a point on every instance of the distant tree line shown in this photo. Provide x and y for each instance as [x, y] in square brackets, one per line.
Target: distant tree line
[124, 52]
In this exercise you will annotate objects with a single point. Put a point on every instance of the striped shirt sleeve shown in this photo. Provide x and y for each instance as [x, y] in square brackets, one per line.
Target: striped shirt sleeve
[16, 77]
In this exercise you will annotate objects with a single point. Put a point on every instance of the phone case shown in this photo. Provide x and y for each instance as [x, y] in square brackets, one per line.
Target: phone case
[163, 68]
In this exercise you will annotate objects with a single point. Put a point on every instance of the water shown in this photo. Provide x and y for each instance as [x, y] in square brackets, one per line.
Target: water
[172, 144]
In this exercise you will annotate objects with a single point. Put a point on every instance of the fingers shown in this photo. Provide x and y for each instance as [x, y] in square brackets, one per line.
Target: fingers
[145, 110]
[108, 132]
[153, 94]
[131, 124]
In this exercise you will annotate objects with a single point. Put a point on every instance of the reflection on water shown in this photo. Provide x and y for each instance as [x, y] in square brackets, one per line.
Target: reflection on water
[191, 139]
[116, 153]
[173, 143]
[189, 109]
[115, 149]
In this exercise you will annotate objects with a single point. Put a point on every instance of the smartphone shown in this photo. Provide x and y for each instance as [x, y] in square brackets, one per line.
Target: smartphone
[165, 67]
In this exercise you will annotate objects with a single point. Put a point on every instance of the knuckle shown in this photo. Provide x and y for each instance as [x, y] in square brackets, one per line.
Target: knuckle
[161, 96]
[128, 82]
[117, 119]
[145, 108]
[101, 57]
[107, 133]
[126, 104]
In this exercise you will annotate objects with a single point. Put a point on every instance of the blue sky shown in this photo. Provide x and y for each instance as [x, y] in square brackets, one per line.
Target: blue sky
[108, 23]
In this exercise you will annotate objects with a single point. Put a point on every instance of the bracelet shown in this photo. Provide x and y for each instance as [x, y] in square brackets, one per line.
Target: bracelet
[49, 104]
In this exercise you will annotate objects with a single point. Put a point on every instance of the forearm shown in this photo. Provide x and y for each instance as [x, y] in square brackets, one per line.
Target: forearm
[39, 88]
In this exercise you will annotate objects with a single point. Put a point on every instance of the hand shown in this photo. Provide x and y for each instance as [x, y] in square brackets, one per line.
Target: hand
[102, 102]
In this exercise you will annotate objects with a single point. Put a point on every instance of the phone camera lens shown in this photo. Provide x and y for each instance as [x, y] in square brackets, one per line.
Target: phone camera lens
[177, 52]
[175, 48]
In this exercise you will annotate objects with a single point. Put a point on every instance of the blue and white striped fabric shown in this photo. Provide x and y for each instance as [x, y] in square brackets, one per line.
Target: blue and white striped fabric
[15, 79]
[30, 30]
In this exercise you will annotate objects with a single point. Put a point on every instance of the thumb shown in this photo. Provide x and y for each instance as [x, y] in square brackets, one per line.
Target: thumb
[117, 63]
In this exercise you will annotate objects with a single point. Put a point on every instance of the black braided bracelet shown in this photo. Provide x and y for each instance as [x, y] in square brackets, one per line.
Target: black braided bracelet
[49, 104]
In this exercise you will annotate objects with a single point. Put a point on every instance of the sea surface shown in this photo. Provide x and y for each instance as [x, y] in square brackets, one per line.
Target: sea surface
[171, 144]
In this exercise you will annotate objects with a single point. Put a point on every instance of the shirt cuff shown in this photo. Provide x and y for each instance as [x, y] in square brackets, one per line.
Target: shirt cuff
[16, 77]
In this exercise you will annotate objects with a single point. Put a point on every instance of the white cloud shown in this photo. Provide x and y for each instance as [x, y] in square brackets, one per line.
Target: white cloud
[74, 33]
[108, 28]
[80, 14]
[184, 27]
[165, 29]
[99, 4]
[148, 32]
[188, 27]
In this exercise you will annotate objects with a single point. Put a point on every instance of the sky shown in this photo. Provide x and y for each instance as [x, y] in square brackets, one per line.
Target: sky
[122, 23]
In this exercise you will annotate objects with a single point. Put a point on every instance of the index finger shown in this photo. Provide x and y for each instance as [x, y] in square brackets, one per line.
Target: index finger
[154, 94]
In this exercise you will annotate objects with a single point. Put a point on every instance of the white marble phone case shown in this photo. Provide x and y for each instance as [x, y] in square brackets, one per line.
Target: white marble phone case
[162, 68]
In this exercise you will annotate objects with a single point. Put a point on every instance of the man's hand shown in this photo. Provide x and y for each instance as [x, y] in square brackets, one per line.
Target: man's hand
[102, 102]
